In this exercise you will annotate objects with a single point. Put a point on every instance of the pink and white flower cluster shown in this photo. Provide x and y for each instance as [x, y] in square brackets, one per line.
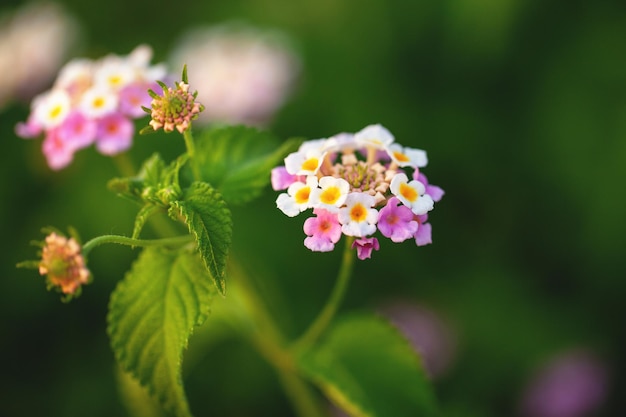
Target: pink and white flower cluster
[92, 102]
[357, 184]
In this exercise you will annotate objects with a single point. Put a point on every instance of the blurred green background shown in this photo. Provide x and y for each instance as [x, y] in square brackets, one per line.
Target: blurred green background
[521, 106]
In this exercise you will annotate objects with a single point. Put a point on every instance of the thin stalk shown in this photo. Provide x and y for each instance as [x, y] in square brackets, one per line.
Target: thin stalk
[123, 240]
[326, 315]
[191, 151]
[124, 164]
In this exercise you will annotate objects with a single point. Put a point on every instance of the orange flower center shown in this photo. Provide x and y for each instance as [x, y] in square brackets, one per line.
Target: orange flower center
[408, 192]
[310, 164]
[330, 195]
[358, 213]
[302, 195]
[401, 157]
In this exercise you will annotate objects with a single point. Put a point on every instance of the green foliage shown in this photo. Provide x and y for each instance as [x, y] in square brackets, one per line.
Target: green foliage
[199, 206]
[209, 220]
[155, 187]
[152, 313]
[142, 187]
[365, 366]
[237, 160]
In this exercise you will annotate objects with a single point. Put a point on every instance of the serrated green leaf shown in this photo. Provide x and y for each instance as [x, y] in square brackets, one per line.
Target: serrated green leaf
[135, 398]
[237, 160]
[370, 370]
[152, 313]
[205, 213]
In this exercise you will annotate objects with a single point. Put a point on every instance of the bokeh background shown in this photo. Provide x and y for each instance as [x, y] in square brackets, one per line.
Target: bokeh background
[521, 106]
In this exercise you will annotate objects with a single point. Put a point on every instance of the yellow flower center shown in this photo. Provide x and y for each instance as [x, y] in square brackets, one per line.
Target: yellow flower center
[408, 192]
[330, 195]
[310, 164]
[56, 111]
[115, 80]
[302, 195]
[401, 157]
[358, 213]
[98, 102]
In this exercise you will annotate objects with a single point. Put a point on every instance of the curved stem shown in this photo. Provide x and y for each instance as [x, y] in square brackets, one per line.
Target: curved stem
[123, 240]
[324, 318]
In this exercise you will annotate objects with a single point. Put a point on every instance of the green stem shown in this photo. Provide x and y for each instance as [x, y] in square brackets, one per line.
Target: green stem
[123, 240]
[124, 164]
[191, 151]
[325, 316]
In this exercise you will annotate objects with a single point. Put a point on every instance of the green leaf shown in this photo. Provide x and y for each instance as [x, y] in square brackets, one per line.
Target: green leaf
[135, 398]
[144, 186]
[369, 369]
[152, 313]
[156, 182]
[237, 160]
[205, 213]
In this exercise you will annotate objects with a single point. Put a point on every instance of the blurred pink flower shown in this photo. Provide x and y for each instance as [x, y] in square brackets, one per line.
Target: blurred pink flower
[92, 102]
[58, 152]
[242, 74]
[77, 130]
[115, 134]
[34, 41]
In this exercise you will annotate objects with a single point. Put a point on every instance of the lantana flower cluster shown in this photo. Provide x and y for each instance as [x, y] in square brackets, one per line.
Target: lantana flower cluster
[92, 102]
[357, 184]
[175, 108]
[63, 264]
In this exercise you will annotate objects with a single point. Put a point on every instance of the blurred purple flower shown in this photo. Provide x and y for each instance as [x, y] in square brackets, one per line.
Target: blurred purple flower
[427, 332]
[574, 384]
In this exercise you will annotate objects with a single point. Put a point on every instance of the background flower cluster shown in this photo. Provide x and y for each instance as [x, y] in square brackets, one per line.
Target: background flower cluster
[93, 102]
